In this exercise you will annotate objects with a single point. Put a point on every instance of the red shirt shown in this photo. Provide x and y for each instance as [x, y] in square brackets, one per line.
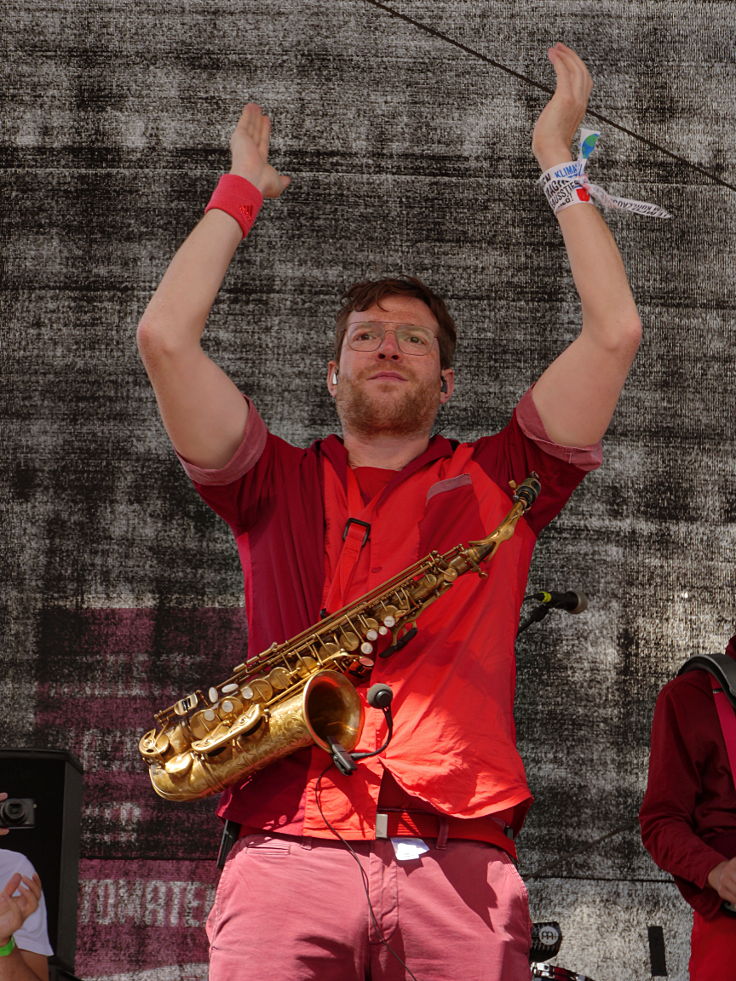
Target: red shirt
[454, 736]
[688, 816]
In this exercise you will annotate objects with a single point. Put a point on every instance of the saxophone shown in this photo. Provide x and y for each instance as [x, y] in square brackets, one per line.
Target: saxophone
[299, 692]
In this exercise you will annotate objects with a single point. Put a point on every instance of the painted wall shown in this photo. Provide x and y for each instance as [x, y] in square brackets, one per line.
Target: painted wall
[122, 590]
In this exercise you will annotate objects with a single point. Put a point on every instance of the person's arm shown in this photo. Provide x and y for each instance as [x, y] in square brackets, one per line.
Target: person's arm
[203, 411]
[678, 766]
[723, 879]
[577, 394]
[18, 899]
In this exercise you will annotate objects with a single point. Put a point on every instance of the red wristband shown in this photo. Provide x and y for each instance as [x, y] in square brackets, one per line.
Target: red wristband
[238, 198]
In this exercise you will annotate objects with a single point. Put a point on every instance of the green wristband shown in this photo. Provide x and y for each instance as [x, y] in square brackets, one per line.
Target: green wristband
[7, 948]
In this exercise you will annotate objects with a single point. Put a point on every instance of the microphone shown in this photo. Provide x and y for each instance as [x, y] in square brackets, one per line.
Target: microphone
[570, 601]
[380, 696]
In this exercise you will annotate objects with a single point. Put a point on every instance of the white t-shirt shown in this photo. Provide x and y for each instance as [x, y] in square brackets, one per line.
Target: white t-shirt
[33, 935]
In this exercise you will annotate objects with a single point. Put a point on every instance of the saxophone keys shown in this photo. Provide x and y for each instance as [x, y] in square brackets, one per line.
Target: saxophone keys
[390, 613]
[361, 667]
[153, 745]
[279, 679]
[328, 650]
[306, 665]
[229, 689]
[179, 765]
[258, 690]
[247, 721]
[370, 627]
[350, 641]
[186, 704]
[383, 631]
[214, 696]
[230, 707]
[227, 733]
[366, 648]
[202, 722]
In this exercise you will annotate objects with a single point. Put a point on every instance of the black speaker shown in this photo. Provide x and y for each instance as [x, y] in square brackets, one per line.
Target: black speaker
[59, 974]
[53, 780]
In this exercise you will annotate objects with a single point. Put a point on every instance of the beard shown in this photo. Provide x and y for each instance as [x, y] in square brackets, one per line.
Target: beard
[388, 412]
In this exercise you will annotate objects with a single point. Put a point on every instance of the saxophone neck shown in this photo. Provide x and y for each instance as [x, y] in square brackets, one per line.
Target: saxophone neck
[524, 496]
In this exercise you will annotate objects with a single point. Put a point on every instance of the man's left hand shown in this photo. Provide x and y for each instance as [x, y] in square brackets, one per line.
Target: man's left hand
[561, 117]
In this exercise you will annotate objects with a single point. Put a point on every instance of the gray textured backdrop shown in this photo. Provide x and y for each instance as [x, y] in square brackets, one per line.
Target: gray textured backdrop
[407, 155]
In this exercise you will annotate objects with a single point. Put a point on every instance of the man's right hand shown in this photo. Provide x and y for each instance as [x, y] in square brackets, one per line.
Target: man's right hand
[723, 879]
[249, 149]
[204, 413]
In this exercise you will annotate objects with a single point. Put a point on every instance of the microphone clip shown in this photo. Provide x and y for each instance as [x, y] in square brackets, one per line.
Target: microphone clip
[342, 759]
[379, 696]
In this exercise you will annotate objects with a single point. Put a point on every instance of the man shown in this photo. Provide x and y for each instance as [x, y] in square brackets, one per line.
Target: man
[426, 819]
[24, 941]
[688, 815]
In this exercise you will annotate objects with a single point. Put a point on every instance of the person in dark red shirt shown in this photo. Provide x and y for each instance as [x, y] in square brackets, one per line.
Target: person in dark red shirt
[290, 903]
[688, 815]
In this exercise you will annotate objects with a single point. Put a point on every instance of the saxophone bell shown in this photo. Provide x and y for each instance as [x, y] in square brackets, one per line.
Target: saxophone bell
[333, 711]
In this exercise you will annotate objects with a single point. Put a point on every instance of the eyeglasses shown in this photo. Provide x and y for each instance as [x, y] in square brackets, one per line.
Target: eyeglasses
[410, 338]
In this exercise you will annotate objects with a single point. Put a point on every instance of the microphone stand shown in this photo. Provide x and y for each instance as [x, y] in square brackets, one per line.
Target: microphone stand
[537, 614]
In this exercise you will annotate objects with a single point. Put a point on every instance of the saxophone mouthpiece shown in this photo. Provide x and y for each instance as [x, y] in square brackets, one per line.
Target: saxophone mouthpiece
[528, 490]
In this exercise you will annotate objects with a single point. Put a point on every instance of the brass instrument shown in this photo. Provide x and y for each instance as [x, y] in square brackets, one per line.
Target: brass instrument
[299, 692]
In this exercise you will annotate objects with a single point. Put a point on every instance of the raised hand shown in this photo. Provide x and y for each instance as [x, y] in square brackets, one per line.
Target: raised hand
[15, 909]
[249, 149]
[561, 117]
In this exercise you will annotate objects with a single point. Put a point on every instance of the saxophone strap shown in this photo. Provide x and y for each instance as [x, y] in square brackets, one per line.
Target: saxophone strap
[355, 536]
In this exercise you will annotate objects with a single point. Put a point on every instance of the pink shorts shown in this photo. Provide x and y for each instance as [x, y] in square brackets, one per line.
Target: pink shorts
[713, 948]
[293, 909]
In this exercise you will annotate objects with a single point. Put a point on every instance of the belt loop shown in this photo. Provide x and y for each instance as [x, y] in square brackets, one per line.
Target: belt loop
[442, 832]
[381, 825]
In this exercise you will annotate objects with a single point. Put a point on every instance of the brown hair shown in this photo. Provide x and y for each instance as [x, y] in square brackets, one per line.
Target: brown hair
[362, 296]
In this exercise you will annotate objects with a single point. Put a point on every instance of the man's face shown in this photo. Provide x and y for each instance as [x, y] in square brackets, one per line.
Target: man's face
[388, 391]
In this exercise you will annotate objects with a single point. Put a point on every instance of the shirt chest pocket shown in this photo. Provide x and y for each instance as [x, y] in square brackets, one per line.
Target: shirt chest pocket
[451, 516]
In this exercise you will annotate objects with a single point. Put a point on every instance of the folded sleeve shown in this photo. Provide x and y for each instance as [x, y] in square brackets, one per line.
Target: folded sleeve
[245, 457]
[522, 447]
[530, 422]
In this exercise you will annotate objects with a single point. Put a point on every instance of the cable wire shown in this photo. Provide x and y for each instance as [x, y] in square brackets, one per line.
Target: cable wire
[545, 88]
[364, 877]
[563, 860]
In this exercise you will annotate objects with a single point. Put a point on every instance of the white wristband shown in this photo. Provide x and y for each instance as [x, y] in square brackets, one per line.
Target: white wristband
[567, 183]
